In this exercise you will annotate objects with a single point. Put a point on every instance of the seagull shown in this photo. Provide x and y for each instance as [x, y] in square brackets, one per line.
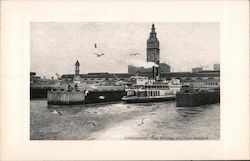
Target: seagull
[89, 122]
[101, 97]
[135, 54]
[60, 113]
[141, 122]
[56, 112]
[99, 55]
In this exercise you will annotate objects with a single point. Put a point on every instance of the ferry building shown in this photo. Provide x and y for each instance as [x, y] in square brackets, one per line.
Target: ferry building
[160, 71]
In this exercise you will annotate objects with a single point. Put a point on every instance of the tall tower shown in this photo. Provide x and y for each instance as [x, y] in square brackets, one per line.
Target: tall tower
[153, 52]
[77, 69]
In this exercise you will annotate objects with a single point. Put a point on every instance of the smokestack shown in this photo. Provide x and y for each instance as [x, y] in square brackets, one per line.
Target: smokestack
[153, 72]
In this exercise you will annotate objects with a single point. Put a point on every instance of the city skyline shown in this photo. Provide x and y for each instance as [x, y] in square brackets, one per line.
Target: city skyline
[60, 44]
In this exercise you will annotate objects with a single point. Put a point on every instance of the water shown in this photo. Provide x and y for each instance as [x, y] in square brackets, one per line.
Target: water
[149, 121]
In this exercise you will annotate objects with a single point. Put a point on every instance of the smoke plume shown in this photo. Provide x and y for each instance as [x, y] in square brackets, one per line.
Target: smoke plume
[139, 63]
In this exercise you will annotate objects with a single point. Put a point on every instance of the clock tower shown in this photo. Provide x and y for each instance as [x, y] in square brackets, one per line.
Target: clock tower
[153, 52]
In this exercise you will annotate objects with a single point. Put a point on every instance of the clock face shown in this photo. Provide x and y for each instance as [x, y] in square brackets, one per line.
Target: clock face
[157, 57]
[151, 56]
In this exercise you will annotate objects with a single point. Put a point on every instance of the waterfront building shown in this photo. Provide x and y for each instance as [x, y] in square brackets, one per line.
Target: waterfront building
[202, 83]
[190, 75]
[164, 68]
[160, 71]
[202, 79]
[133, 70]
[196, 69]
[33, 77]
[99, 78]
[217, 67]
[153, 55]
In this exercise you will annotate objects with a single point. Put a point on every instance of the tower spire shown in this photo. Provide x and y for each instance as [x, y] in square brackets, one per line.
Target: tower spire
[153, 28]
[153, 33]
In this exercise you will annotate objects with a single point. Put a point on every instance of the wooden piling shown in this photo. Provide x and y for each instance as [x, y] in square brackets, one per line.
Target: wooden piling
[65, 97]
[191, 99]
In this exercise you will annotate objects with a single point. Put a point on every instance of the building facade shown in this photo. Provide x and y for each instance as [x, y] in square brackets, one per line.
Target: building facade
[197, 69]
[217, 67]
[153, 52]
[133, 70]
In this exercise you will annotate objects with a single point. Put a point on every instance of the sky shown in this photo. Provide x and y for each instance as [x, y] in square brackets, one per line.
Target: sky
[55, 46]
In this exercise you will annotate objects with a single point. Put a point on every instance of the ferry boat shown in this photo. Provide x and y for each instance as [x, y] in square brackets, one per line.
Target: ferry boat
[146, 90]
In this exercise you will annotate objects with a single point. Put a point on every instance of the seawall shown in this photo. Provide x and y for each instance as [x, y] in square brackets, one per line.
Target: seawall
[192, 99]
[65, 97]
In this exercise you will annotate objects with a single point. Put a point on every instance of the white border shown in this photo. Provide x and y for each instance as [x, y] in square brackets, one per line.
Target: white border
[234, 22]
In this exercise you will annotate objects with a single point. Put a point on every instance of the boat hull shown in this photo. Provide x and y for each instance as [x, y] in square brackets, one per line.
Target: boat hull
[147, 99]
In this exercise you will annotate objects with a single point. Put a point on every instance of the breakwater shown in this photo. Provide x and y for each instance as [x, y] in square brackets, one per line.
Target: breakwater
[38, 93]
[65, 97]
[104, 96]
[192, 99]
[41, 91]
[84, 97]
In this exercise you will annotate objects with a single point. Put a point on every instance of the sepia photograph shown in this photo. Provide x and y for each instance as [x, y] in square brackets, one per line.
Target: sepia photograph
[124, 81]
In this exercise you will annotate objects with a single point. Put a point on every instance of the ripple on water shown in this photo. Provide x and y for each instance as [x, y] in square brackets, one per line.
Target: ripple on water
[119, 120]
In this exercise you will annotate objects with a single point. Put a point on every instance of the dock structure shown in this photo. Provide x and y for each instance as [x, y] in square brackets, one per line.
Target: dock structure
[77, 97]
[99, 96]
[65, 97]
[192, 99]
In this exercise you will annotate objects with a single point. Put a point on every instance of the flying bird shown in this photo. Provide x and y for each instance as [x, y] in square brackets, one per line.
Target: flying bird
[99, 55]
[56, 112]
[135, 54]
[101, 97]
[59, 112]
[141, 122]
[89, 122]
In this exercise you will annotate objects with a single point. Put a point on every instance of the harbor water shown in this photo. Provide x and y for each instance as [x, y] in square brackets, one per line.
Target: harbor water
[119, 121]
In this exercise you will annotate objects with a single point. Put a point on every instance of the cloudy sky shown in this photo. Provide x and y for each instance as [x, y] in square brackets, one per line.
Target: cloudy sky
[55, 46]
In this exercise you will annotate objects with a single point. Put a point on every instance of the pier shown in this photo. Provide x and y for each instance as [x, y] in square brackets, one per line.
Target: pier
[83, 97]
[192, 99]
[65, 97]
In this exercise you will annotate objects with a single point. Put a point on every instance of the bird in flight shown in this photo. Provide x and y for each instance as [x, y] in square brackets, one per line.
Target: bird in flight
[134, 54]
[141, 122]
[99, 55]
[56, 112]
[101, 97]
[89, 122]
